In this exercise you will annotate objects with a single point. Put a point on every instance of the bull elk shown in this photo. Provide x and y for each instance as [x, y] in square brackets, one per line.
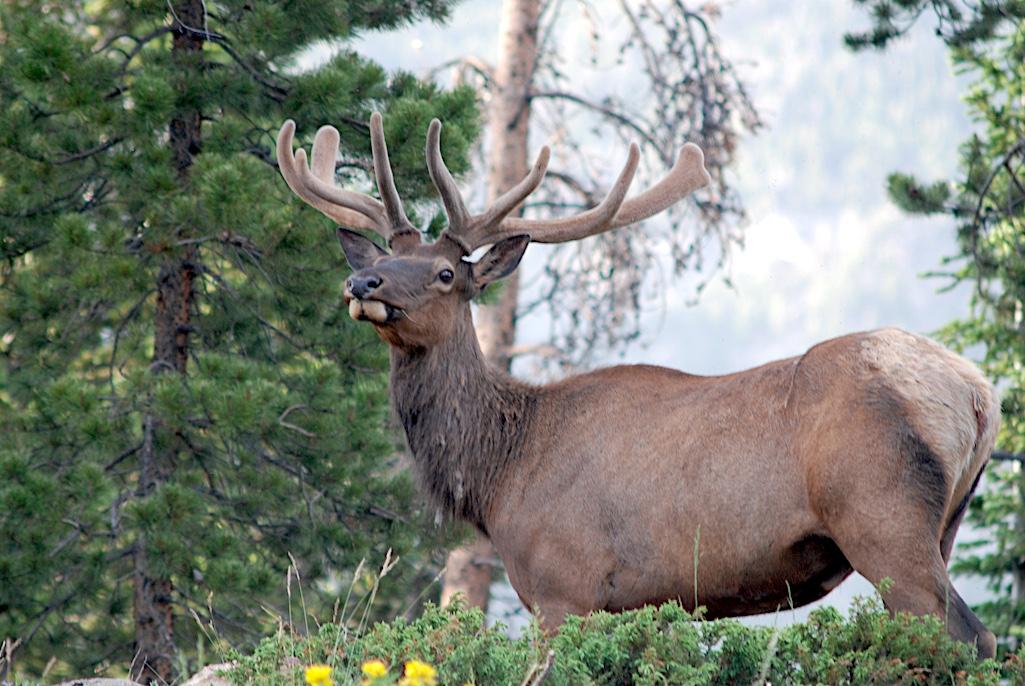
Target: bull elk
[861, 454]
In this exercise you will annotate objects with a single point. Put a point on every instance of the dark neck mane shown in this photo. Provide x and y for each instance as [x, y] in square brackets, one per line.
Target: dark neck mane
[464, 419]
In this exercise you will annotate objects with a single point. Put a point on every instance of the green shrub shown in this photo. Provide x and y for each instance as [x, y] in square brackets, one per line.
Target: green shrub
[663, 645]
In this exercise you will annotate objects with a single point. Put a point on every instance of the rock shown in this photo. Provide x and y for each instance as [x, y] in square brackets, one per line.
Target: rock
[208, 676]
[289, 663]
[205, 677]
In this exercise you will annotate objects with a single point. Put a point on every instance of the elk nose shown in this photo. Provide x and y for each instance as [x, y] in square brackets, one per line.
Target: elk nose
[362, 285]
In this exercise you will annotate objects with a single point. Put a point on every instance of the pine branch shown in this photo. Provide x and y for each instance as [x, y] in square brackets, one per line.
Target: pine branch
[1005, 456]
[75, 157]
[140, 41]
[277, 93]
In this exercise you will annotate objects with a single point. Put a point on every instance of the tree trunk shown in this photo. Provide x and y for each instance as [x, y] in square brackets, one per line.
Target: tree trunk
[153, 591]
[468, 572]
[470, 569]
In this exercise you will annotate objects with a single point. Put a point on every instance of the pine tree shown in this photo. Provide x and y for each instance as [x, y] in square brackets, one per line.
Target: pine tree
[987, 202]
[184, 404]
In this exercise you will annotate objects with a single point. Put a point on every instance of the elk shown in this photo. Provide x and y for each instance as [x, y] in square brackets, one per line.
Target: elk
[639, 484]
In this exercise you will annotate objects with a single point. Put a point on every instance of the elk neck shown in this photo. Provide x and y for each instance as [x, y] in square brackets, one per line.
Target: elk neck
[466, 421]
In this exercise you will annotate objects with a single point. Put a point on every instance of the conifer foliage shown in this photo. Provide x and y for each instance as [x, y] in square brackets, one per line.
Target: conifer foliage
[184, 403]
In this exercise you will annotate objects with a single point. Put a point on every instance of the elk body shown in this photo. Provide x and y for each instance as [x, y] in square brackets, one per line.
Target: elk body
[860, 454]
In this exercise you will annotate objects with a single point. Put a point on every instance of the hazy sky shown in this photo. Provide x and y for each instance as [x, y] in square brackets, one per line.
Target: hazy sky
[826, 253]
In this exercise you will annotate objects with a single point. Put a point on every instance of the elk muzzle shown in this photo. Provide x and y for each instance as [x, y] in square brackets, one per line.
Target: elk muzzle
[362, 285]
[359, 292]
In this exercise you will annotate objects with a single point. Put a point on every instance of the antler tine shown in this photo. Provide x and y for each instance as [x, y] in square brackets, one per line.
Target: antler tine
[564, 229]
[359, 202]
[686, 176]
[385, 180]
[455, 208]
[510, 200]
[292, 165]
[471, 231]
[325, 152]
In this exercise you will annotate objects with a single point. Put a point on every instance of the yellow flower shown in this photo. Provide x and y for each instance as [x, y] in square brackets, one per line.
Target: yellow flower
[419, 674]
[318, 675]
[374, 669]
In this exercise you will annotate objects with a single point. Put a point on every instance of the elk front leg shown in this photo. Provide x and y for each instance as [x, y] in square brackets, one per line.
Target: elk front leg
[552, 587]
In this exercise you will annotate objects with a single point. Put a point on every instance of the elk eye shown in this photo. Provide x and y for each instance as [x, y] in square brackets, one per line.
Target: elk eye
[446, 275]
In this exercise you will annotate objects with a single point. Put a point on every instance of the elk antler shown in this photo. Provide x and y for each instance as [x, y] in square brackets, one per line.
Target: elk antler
[686, 176]
[316, 186]
[471, 231]
[386, 217]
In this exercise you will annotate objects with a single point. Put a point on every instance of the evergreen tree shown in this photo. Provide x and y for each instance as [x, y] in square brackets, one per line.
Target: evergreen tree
[185, 405]
[987, 202]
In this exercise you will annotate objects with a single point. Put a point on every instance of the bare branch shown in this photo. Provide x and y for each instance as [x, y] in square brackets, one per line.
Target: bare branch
[462, 65]
[293, 427]
[140, 43]
[588, 196]
[605, 110]
[984, 191]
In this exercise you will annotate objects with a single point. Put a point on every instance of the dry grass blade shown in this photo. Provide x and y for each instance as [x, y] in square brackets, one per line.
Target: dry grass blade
[302, 598]
[538, 674]
[387, 566]
[339, 619]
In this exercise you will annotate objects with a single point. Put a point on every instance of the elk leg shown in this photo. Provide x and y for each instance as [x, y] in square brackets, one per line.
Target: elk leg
[978, 632]
[552, 613]
[911, 558]
[947, 541]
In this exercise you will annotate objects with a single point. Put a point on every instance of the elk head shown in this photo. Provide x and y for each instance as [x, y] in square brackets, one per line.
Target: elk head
[417, 292]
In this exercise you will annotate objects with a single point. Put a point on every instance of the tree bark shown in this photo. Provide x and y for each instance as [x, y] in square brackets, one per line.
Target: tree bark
[468, 573]
[470, 569]
[153, 590]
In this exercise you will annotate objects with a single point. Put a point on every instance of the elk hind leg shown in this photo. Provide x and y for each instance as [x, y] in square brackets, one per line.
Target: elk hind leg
[889, 513]
[947, 540]
[905, 549]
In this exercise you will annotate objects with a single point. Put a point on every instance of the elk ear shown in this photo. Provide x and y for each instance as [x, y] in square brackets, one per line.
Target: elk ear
[360, 251]
[500, 261]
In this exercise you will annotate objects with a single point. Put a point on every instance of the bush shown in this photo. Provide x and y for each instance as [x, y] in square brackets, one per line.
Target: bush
[664, 645]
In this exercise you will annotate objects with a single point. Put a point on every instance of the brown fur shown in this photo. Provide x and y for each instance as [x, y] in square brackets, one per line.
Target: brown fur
[465, 422]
